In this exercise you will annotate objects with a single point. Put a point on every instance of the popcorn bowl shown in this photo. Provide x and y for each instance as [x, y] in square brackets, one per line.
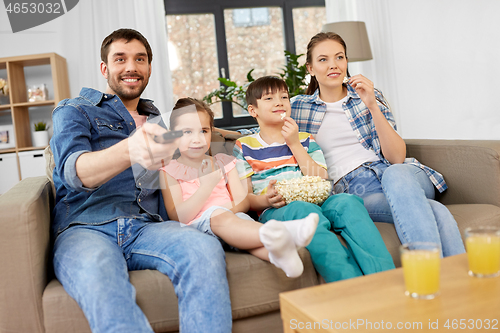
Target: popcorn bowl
[313, 189]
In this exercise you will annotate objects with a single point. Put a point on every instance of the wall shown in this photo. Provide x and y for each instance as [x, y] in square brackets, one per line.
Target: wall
[447, 65]
[77, 36]
[52, 37]
[445, 62]
[440, 77]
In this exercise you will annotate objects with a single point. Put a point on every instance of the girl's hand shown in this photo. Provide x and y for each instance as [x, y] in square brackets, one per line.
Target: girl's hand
[290, 131]
[365, 90]
[209, 173]
[274, 199]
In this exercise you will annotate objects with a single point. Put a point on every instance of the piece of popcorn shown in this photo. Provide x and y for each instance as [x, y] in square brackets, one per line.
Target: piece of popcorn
[346, 79]
[312, 189]
[283, 115]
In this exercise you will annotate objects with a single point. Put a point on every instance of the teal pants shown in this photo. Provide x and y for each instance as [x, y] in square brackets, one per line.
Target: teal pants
[345, 214]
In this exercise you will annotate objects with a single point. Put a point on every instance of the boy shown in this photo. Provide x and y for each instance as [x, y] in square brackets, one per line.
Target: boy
[279, 151]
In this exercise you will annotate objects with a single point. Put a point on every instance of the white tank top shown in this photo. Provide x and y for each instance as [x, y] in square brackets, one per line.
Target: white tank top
[342, 149]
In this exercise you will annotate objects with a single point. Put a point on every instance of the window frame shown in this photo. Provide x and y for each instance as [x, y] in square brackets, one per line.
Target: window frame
[217, 7]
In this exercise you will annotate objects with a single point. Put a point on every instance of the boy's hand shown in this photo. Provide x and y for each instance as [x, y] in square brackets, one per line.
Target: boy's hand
[274, 199]
[209, 173]
[290, 132]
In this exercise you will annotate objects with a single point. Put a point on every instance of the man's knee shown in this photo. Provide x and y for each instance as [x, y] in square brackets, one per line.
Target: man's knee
[85, 255]
[202, 249]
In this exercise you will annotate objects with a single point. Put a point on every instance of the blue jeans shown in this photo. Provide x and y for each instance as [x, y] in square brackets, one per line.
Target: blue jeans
[92, 263]
[404, 195]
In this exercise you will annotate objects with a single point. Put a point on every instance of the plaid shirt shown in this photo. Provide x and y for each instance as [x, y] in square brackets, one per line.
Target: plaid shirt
[308, 111]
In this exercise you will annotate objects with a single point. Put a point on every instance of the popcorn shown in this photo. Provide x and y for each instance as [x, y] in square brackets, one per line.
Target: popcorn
[346, 79]
[283, 115]
[312, 189]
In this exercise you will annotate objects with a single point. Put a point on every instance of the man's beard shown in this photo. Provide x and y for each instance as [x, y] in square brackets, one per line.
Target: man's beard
[126, 93]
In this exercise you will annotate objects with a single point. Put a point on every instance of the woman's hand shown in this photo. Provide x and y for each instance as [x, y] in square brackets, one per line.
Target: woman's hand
[391, 144]
[209, 173]
[365, 89]
[273, 197]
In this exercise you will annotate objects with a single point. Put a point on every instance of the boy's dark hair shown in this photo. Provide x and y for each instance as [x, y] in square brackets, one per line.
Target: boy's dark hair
[128, 35]
[180, 109]
[262, 86]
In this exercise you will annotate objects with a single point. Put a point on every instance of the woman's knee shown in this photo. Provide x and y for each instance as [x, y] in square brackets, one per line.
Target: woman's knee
[398, 170]
[441, 212]
[406, 177]
[399, 177]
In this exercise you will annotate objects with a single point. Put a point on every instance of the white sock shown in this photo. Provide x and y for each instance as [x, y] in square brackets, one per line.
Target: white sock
[302, 230]
[282, 250]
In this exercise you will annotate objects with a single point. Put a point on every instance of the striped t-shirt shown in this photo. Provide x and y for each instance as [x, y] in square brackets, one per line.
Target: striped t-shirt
[263, 162]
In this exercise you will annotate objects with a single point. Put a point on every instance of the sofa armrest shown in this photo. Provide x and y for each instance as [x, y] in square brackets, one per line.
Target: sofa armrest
[471, 168]
[25, 247]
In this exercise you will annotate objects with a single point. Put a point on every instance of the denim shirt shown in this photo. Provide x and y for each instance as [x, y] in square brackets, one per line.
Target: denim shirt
[91, 122]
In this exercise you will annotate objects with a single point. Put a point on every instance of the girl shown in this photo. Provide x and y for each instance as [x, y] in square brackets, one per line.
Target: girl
[353, 125]
[205, 192]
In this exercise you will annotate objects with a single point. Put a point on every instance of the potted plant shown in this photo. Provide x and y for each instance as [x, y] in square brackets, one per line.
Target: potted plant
[293, 74]
[41, 134]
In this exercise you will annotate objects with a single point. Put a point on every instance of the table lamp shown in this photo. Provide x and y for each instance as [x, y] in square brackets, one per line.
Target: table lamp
[355, 36]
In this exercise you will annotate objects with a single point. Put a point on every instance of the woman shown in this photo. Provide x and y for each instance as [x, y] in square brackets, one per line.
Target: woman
[353, 125]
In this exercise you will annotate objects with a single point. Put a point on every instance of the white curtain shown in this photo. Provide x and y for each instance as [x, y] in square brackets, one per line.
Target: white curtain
[376, 16]
[84, 28]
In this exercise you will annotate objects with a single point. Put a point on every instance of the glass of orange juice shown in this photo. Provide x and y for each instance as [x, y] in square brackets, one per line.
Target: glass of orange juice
[421, 268]
[483, 251]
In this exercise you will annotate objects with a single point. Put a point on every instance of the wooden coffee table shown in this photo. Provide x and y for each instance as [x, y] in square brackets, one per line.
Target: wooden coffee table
[377, 302]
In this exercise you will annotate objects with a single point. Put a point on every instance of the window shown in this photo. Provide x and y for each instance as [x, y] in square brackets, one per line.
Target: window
[307, 22]
[248, 17]
[225, 38]
[193, 56]
[259, 47]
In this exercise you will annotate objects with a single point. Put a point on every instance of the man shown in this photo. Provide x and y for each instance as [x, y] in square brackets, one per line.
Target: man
[107, 218]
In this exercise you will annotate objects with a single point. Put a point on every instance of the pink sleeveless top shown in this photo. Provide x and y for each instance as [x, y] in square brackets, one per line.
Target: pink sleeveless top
[189, 181]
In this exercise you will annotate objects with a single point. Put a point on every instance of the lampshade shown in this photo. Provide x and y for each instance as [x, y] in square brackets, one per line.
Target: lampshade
[355, 36]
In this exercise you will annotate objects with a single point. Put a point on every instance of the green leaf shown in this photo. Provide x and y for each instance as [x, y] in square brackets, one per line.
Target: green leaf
[227, 82]
[249, 75]
[293, 74]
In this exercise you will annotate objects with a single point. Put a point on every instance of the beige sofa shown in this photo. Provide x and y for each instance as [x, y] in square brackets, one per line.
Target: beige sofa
[31, 300]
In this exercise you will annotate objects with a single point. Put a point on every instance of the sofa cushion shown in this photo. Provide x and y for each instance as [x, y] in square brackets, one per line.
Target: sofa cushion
[466, 215]
[473, 215]
[254, 287]
[391, 240]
